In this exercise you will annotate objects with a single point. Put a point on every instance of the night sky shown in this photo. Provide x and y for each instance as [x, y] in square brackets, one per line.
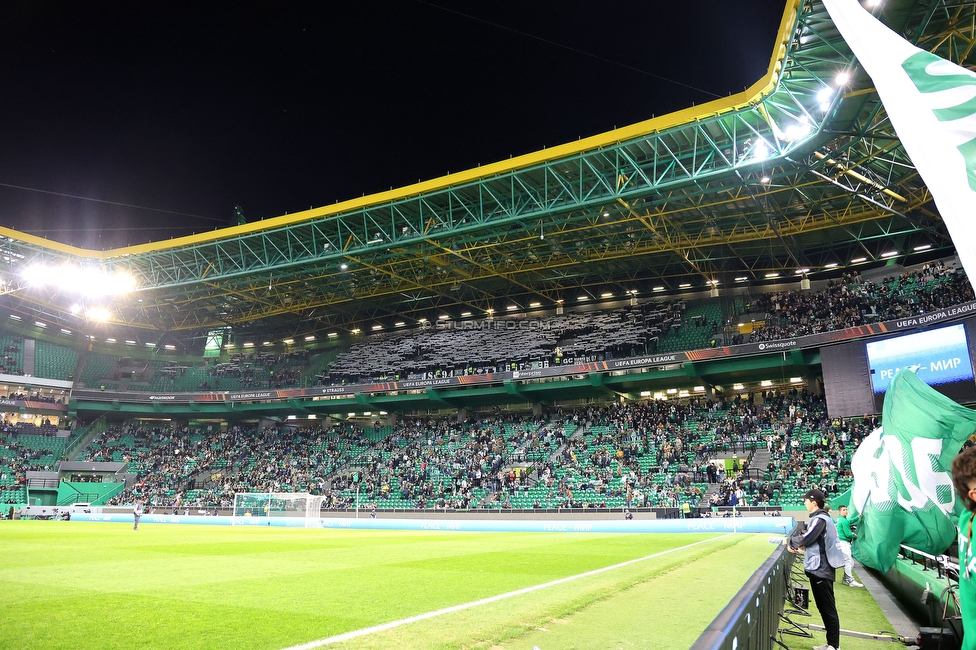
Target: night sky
[170, 114]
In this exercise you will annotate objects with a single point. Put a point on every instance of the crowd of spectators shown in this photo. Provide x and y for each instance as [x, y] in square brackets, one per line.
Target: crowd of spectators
[851, 301]
[805, 449]
[261, 369]
[17, 457]
[643, 454]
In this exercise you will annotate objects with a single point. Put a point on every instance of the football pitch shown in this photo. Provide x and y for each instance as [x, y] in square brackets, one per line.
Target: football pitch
[85, 585]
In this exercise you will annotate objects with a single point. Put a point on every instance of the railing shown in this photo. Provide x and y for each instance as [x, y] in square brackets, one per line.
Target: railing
[78, 497]
[108, 495]
[751, 619]
[943, 564]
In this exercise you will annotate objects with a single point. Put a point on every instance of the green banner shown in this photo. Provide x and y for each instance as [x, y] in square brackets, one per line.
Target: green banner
[902, 483]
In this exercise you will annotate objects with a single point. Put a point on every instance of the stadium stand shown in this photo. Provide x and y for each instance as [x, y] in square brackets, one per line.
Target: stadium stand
[11, 354]
[850, 302]
[647, 454]
[54, 361]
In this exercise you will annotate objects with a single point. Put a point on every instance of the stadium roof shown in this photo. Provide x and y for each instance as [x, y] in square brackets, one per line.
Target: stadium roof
[801, 174]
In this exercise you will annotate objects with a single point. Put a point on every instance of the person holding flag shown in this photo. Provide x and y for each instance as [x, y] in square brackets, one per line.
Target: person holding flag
[964, 480]
[845, 537]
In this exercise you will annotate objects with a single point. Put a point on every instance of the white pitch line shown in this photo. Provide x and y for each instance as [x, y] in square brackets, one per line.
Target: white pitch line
[484, 601]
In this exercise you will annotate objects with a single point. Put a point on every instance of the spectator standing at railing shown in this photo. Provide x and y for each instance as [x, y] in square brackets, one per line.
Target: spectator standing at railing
[821, 556]
[964, 480]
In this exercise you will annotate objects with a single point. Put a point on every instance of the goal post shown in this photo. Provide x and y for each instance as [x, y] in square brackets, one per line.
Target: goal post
[269, 505]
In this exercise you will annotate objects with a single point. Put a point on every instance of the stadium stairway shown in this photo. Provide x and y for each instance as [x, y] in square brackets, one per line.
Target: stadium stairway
[28, 367]
[760, 460]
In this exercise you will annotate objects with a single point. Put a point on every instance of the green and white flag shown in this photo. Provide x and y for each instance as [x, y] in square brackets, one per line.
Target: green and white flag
[902, 482]
[932, 105]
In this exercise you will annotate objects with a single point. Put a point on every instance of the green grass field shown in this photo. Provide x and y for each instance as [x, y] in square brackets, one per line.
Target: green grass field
[96, 585]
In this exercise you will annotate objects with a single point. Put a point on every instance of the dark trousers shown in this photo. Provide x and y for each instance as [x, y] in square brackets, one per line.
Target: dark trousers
[823, 595]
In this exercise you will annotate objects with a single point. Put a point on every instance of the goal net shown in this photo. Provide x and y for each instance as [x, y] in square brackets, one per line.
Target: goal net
[267, 505]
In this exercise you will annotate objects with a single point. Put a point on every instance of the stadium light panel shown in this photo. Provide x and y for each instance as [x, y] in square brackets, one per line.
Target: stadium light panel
[400, 323]
[583, 297]
[377, 328]
[288, 341]
[699, 389]
[110, 340]
[128, 342]
[831, 265]
[533, 305]
[645, 393]
[90, 281]
[606, 294]
[889, 254]
[267, 343]
[149, 345]
[310, 337]
[923, 247]
[658, 288]
[170, 347]
[355, 331]
[64, 331]
[760, 151]
[766, 383]
[443, 317]
[825, 94]
[248, 345]
[741, 278]
[842, 78]
[798, 131]
[772, 275]
[511, 308]
[332, 335]
[858, 260]
[684, 285]
[737, 387]
[796, 380]
[40, 324]
[672, 391]
[98, 314]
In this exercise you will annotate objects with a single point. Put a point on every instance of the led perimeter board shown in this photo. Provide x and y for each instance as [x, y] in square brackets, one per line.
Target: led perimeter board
[942, 356]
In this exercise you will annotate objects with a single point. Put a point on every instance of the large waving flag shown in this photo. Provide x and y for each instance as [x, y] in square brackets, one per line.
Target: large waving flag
[902, 482]
[932, 105]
